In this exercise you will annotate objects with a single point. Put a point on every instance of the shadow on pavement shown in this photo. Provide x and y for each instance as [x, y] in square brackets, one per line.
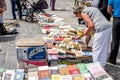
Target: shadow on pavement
[113, 70]
[61, 10]
[6, 38]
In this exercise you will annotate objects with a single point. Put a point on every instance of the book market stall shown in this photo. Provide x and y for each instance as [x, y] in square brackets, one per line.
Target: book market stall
[55, 55]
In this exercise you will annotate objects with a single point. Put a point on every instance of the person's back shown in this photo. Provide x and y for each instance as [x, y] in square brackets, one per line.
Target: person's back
[97, 17]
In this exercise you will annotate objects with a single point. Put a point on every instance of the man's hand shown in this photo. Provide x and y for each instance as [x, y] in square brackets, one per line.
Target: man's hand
[76, 37]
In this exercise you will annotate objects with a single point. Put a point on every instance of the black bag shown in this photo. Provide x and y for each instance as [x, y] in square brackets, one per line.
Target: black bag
[2, 29]
[42, 4]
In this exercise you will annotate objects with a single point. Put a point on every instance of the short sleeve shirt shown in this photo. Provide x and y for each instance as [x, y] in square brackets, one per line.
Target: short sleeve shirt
[116, 7]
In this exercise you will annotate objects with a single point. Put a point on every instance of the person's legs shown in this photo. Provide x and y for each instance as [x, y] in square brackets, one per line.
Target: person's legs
[13, 9]
[100, 46]
[52, 4]
[115, 41]
[19, 8]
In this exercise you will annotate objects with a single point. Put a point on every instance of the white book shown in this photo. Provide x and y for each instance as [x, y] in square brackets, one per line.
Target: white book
[8, 75]
[43, 68]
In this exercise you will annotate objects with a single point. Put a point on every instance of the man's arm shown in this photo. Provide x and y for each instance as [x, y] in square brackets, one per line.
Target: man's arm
[109, 9]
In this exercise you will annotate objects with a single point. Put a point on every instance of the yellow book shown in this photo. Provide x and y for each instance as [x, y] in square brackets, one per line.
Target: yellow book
[55, 77]
[78, 77]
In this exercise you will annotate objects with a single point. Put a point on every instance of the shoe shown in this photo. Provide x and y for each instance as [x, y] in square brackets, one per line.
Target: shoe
[53, 9]
[112, 62]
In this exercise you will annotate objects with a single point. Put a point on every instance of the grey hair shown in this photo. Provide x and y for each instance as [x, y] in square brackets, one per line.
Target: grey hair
[78, 9]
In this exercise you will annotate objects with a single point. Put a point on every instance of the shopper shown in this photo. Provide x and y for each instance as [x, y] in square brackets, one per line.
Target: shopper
[114, 6]
[2, 9]
[52, 4]
[14, 3]
[96, 22]
[102, 6]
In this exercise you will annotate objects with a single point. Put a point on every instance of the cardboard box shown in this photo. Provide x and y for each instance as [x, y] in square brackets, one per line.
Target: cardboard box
[31, 49]
[31, 53]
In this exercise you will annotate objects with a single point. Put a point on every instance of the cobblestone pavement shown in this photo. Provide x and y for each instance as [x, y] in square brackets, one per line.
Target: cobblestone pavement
[7, 42]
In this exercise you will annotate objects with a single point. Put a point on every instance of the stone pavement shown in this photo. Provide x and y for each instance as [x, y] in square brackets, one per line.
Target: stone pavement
[31, 29]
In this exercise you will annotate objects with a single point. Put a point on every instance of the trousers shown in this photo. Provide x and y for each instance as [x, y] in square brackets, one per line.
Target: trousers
[14, 3]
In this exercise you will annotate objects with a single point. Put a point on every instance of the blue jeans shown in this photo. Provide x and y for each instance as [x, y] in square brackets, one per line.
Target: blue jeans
[14, 3]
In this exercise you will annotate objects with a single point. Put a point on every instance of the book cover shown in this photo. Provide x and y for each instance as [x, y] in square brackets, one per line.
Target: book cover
[64, 71]
[54, 70]
[72, 67]
[52, 52]
[55, 77]
[78, 77]
[66, 77]
[87, 53]
[8, 75]
[44, 74]
[97, 71]
[33, 74]
[19, 74]
[74, 71]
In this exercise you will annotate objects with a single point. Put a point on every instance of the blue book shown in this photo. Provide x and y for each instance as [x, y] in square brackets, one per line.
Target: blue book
[19, 74]
[87, 53]
[45, 79]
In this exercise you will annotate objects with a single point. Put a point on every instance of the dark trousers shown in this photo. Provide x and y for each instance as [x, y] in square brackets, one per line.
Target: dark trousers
[115, 40]
[52, 4]
[14, 3]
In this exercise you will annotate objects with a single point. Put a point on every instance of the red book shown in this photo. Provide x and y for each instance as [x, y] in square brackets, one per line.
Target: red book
[75, 71]
[59, 39]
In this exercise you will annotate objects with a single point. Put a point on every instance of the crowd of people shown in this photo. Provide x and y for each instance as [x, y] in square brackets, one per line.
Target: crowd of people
[96, 18]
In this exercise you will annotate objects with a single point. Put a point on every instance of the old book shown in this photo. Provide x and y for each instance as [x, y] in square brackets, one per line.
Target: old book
[55, 77]
[66, 77]
[8, 75]
[64, 71]
[19, 74]
[33, 74]
[98, 72]
[78, 77]
[62, 66]
[72, 67]
[52, 57]
[52, 52]
[54, 70]
[87, 53]
[87, 76]
[44, 74]
[74, 71]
